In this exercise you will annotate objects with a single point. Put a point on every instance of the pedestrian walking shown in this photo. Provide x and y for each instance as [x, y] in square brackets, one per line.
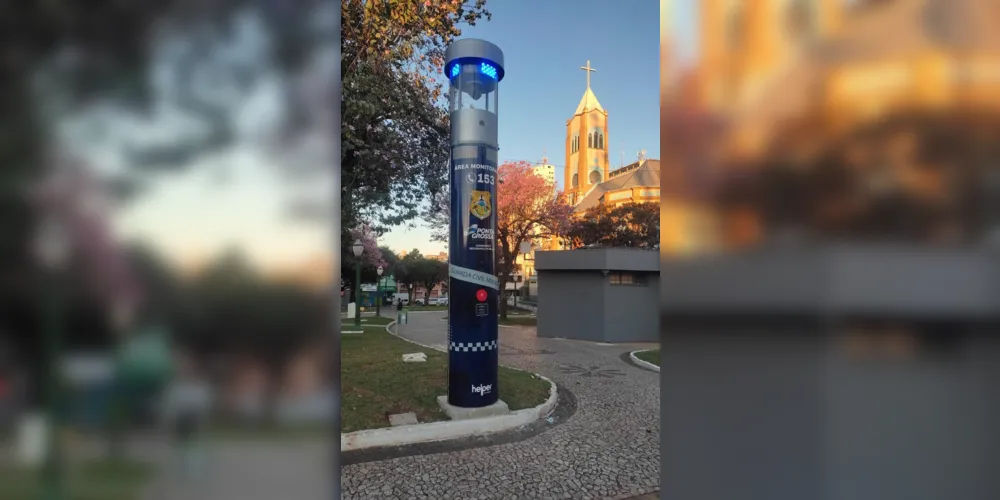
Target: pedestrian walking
[186, 407]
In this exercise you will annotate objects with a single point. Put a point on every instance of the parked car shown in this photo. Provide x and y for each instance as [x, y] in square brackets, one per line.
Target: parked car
[418, 302]
[439, 301]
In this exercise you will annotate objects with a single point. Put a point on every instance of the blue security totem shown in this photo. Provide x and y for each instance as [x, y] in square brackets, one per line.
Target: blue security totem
[474, 68]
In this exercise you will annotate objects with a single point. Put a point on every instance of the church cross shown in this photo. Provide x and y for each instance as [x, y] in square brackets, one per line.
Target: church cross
[589, 70]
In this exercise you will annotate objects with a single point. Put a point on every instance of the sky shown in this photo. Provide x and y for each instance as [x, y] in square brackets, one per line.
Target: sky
[191, 216]
[544, 45]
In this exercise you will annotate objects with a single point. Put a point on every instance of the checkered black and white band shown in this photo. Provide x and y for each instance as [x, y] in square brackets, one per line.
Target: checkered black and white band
[473, 346]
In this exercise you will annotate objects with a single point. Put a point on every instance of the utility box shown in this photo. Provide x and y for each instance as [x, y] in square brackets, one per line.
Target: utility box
[599, 294]
[842, 373]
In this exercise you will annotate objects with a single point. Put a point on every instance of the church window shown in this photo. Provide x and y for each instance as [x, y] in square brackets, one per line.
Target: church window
[590, 140]
[595, 177]
[734, 26]
[576, 180]
[800, 18]
[598, 135]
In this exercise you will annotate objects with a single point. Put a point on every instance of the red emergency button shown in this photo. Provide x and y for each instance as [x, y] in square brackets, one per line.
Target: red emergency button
[481, 295]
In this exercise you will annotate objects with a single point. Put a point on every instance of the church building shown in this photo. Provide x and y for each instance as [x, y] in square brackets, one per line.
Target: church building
[589, 181]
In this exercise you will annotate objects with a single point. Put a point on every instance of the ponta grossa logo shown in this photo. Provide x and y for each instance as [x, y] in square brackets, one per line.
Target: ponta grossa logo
[478, 233]
[482, 390]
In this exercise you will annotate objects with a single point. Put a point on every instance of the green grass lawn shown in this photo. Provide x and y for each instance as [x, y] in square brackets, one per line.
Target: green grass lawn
[375, 383]
[90, 480]
[650, 356]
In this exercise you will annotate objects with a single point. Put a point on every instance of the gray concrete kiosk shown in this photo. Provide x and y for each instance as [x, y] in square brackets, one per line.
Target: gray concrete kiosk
[599, 294]
[836, 373]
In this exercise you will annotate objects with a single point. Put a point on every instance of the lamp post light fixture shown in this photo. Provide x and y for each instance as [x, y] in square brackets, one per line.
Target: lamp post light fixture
[52, 249]
[378, 293]
[358, 248]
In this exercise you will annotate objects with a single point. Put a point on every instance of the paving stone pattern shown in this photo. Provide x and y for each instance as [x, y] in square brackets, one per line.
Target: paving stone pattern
[608, 449]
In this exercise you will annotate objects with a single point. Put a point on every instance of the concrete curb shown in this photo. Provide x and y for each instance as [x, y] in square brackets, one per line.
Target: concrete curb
[645, 364]
[440, 431]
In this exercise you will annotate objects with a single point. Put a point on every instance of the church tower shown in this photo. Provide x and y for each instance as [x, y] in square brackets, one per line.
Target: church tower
[586, 145]
[744, 43]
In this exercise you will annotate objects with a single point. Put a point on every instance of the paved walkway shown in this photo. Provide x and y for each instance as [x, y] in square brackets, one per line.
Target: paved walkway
[250, 471]
[608, 449]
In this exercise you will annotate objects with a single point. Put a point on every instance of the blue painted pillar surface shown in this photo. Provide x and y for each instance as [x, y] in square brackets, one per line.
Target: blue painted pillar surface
[475, 68]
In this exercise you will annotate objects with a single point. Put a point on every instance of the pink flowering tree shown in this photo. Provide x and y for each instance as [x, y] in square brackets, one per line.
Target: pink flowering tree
[371, 258]
[72, 196]
[527, 210]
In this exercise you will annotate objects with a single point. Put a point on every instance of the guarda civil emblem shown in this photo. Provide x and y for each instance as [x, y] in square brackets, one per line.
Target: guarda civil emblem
[481, 205]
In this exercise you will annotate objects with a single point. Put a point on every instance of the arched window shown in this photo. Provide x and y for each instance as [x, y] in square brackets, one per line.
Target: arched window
[590, 140]
[576, 180]
[800, 17]
[598, 135]
[734, 26]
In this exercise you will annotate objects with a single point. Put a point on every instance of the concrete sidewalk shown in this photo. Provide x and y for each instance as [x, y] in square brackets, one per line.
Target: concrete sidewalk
[608, 449]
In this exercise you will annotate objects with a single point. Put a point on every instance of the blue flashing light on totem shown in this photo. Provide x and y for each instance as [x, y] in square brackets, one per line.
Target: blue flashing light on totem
[488, 70]
[484, 68]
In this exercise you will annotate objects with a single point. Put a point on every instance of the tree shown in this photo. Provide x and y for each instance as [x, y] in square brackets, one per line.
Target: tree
[371, 258]
[429, 272]
[390, 258]
[95, 64]
[526, 211]
[395, 123]
[407, 271]
[230, 309]
[635, 225]
[437, 216]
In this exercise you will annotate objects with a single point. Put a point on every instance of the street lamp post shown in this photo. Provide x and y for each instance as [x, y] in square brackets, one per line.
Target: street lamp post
[121, 318]
[52, 252]
[378, 293]
[358, 248]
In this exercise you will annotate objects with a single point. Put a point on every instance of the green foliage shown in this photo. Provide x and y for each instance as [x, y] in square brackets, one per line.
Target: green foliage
[417, 270]
[635, 225]
[230, 308]
[390, 258]
[375, 383]
[394, 122]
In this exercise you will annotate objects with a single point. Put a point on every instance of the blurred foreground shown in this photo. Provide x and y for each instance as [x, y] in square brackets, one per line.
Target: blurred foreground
[151, 156]
[830, 285]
